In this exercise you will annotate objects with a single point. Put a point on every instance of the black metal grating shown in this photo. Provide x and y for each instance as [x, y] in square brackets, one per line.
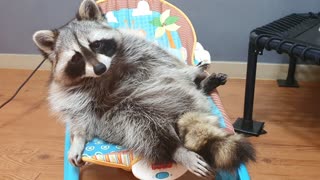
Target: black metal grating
[290, 26]
[295, 34]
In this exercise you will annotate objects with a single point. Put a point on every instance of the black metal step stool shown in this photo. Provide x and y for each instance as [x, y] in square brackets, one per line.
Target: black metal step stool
[298, 36]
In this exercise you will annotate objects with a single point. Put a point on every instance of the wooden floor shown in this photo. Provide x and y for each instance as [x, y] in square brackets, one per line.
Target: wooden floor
[32, 142]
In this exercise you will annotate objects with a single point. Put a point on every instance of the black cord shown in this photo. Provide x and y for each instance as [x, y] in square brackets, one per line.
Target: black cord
[21, 86]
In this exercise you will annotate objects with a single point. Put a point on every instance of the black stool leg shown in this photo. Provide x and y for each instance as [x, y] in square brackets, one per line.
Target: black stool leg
[290, 81]
[246, 125]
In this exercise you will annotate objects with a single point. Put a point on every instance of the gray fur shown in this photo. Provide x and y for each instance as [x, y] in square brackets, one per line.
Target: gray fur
[136, 103]
[202, 134]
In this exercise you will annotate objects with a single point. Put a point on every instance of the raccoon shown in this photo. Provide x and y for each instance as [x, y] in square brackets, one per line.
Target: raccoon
[111, 84]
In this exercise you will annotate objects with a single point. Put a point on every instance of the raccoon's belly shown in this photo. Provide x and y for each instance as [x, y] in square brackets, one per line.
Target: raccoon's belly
[160, 107]
[172, 96]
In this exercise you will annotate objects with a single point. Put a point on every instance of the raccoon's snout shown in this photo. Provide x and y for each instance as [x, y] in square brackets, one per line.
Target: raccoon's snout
[99, 69]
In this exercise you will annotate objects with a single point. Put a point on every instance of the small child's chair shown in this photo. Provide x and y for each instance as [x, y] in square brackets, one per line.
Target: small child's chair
[167, 26]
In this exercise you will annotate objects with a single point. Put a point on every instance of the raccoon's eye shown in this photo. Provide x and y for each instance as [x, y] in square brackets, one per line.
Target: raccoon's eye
[96, 45]
[76, 58]
[107, 47]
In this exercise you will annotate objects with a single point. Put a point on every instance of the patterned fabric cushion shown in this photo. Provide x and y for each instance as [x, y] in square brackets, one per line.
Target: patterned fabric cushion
[100, 152]
[157, 20]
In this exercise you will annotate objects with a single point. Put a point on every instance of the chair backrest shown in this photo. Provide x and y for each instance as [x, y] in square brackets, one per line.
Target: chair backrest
[157, 20]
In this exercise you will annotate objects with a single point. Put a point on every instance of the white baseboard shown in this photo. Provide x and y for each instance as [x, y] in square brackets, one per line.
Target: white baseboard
[233, 69]
[266, 71]
[22, 61]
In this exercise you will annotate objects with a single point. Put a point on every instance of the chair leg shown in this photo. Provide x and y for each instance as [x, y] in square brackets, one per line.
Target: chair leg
[70, 172]
[290, 81]
[246, 125]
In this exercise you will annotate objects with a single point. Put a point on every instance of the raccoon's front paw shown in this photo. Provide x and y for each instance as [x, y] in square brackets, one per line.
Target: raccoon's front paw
[222, 78]
[197, 165]
[216, 80]
[75, 155]
[213, 81]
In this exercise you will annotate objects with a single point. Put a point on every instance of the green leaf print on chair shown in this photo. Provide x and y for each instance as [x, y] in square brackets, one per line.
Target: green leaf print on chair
[165, 24]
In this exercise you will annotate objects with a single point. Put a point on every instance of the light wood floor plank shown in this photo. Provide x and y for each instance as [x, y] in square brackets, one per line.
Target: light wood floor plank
[31, 140]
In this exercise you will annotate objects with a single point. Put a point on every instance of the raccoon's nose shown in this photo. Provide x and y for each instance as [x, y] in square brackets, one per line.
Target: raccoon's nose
[99, 69]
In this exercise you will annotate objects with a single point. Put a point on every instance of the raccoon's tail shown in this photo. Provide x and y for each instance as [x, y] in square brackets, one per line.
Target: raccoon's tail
[202, 134]
[228, 152]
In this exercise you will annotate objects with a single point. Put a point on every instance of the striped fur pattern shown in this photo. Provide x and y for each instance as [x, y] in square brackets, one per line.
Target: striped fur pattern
[201, 133]
[119, 87]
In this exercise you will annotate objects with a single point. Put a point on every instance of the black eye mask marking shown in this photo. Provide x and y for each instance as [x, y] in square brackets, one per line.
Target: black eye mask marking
[76, 66]
[107, 47]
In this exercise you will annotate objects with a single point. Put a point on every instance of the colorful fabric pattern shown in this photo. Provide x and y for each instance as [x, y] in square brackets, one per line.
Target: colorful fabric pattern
[162, 23]
[145, 25]
[98, 150]
[223, 117]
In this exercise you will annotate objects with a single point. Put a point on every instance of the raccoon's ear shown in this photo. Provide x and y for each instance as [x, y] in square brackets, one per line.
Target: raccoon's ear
[89, 11]
[45, 40]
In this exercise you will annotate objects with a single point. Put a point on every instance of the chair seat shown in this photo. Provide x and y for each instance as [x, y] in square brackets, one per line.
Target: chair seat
[100, 152]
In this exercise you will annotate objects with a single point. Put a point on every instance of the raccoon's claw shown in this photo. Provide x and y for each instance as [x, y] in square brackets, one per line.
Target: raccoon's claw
[198, 166]
[76, 160]
[193, 162]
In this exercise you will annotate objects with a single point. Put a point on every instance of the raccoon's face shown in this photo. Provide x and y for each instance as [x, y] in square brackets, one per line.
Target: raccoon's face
[83, 48]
